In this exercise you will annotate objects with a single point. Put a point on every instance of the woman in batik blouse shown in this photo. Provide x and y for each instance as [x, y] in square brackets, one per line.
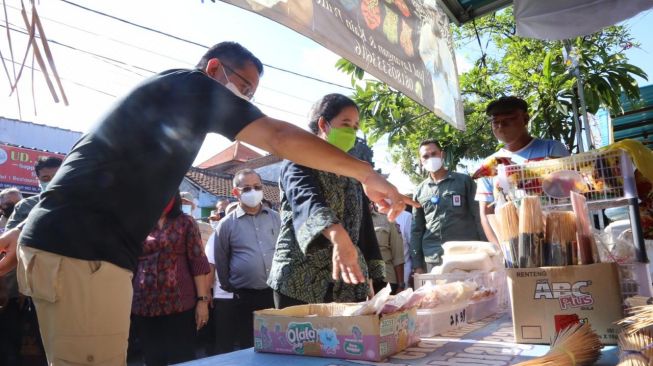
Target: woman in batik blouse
[314, 204]
[171, 299]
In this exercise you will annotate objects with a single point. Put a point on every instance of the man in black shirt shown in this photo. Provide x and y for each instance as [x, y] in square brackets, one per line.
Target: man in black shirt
[80, 243]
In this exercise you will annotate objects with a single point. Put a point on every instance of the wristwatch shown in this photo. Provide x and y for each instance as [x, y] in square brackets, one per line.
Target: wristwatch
[203, 298]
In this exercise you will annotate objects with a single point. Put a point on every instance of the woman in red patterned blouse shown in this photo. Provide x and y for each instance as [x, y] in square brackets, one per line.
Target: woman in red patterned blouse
[171, 295]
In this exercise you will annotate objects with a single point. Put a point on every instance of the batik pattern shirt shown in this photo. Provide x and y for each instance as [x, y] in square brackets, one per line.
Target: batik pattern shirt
[311, 201]
[172, 255]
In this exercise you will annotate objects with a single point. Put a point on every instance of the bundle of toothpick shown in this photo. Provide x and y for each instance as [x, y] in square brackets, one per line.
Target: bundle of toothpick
[636, 349]
[641, 316]
[575, 345]
[636, 339]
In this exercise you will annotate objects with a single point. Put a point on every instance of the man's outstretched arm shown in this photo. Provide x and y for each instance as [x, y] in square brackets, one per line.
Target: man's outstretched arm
[302, 147]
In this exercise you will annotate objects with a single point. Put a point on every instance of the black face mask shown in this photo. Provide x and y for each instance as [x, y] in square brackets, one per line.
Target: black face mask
[221, 214]
[7, 210]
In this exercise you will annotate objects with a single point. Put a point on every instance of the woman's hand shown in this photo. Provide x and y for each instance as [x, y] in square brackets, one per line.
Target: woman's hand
[386, 196]
[201, 314]
[370, 292]
[345, 256]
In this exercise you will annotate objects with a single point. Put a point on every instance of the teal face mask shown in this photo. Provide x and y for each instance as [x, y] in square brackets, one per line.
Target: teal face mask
[344, 138]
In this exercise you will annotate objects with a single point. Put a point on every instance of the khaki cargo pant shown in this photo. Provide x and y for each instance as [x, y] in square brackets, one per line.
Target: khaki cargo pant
[83, 307]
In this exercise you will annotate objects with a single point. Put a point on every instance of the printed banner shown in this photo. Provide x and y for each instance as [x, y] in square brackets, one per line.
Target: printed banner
[17, 167]
[404, 43]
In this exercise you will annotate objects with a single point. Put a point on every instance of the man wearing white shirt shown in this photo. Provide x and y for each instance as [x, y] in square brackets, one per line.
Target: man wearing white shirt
[223, 305]
[403, 221]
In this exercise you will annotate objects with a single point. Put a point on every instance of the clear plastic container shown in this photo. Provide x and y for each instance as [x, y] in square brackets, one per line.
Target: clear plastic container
[431, 322]
[481, 309]
[491, 280]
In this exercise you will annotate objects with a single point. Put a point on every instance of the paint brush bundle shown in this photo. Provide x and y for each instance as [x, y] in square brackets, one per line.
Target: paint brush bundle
[636, 349]
[531, 232]
[575, 345]
[560, 239]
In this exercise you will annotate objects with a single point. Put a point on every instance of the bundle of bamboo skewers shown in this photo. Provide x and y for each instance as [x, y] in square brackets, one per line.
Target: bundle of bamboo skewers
[560, 239]
[507, 229]
[529, 237]
[575, 345]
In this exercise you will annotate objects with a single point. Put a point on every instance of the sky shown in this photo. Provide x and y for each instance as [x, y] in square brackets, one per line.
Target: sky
[101, 59]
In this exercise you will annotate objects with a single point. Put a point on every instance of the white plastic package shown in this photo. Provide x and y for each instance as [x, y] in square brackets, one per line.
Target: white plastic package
[465, 247]
[373, 305]
[468, 262]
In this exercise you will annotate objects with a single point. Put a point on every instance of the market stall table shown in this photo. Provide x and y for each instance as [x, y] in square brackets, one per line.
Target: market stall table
[486, 342]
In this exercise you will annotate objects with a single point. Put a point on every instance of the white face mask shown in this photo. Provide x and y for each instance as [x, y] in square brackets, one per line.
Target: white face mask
[252, 198]
[433, 164]
[187, 209]
[232, 87]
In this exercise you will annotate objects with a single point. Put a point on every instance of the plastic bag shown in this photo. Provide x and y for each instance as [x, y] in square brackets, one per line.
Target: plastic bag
[396, 303]
[373, 305]
[446, 294]
[465, 247]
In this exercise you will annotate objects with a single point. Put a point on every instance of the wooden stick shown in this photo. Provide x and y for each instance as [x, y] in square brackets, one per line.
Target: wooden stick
[39, 59]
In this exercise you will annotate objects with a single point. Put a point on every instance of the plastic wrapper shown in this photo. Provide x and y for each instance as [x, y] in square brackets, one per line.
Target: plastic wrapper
[371, 306]
[467, 247]
[620, 250]
[467, 262]
[396, 303]
[414, 300]
[483, 293]
[448, 293]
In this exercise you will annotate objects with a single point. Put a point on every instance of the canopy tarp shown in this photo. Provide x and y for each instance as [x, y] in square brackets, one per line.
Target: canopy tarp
[564, 19]
[550, 19]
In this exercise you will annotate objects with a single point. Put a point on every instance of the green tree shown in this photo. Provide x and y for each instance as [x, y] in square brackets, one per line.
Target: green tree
[532, 69]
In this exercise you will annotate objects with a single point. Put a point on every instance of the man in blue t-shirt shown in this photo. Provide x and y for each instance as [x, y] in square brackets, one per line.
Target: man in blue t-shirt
[509, 116]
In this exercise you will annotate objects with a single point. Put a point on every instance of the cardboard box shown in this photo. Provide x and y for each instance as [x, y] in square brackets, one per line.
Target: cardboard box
[322, 330]
[547, 299]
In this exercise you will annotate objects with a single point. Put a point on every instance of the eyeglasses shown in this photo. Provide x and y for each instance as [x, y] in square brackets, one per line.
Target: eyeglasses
[250, 88]
[249, 188]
